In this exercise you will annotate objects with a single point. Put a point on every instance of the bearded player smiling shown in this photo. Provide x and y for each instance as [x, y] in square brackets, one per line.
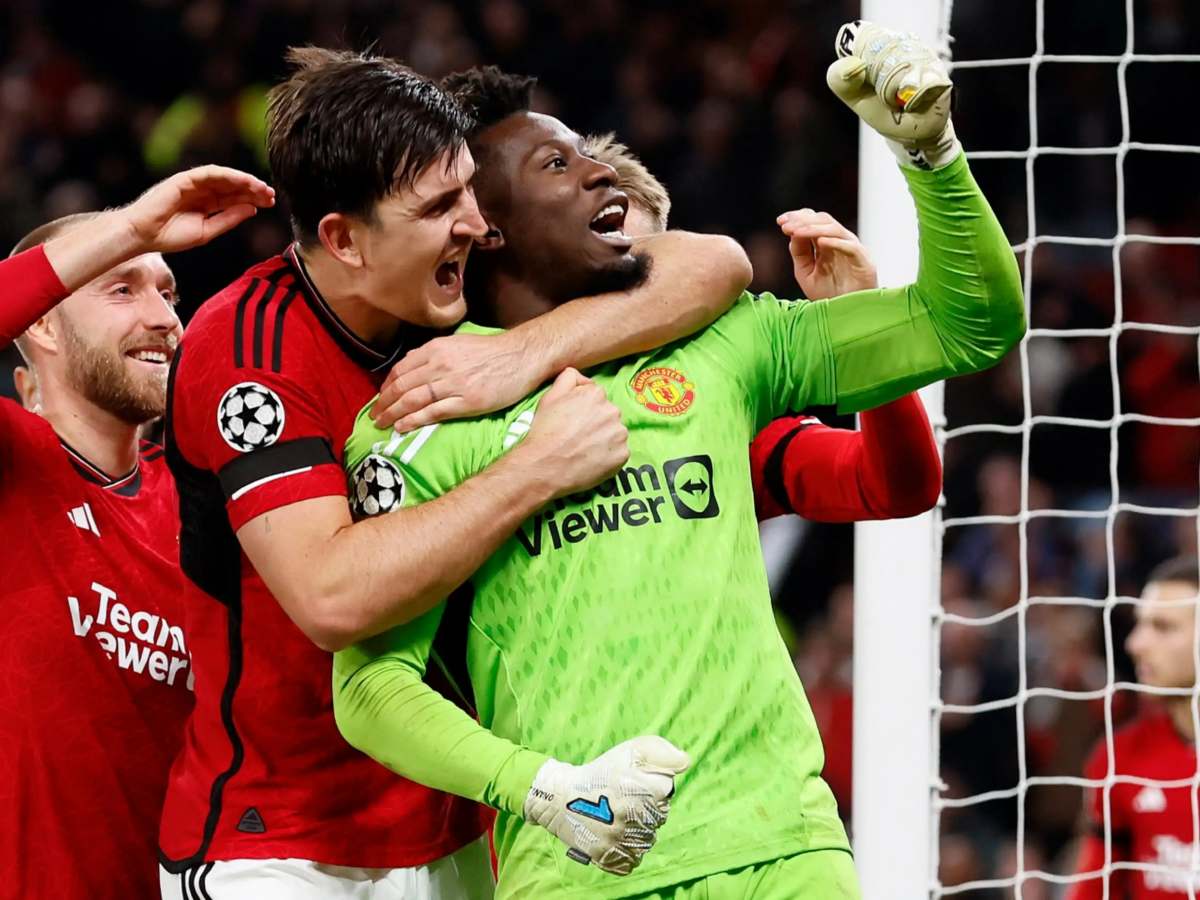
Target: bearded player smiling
[95, 675]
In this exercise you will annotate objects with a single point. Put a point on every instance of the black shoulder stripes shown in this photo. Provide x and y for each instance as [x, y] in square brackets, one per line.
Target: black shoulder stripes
[263, 298]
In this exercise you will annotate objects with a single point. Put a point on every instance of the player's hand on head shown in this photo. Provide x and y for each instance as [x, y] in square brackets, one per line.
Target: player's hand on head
[828, 259]
[897, 85]
[608, 811]
[455, 377]
[577, 438]
[194, 206]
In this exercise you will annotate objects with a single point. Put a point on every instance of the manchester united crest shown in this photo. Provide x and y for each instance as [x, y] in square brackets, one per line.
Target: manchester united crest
[663, 390]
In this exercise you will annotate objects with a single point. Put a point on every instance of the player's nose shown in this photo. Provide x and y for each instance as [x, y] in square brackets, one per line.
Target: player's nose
[598, 174]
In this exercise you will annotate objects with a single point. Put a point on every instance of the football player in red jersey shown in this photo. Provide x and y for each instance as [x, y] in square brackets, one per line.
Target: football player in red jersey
[267, 800]
[95, 677]
[890, 469]
[1149, 822]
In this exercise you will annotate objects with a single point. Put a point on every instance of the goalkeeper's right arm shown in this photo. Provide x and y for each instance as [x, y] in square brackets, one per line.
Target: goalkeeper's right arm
[607, 811]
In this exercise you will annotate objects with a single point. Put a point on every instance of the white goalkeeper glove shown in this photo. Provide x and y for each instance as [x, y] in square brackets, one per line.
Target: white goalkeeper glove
[608, 811]
[899, 87]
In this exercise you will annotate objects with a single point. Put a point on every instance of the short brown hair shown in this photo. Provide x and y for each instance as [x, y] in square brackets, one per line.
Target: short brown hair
[52, 229]
[41, 235]
[1184, 569]
[632, 175]
[347, 129]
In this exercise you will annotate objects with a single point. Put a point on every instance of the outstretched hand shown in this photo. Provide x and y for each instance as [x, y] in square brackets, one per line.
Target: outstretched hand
[192, 207]
[827, 258]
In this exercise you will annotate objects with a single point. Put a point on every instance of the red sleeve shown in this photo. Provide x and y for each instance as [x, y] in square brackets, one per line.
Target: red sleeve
[29, 288]
[1091, 848]
[266, 434]
[1091, 859]
[889, 469]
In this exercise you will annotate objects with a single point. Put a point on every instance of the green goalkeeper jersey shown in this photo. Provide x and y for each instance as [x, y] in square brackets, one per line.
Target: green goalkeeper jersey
[641, 606]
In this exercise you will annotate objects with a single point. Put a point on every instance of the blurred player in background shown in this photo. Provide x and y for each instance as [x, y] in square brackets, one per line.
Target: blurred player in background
[95, 680]
[890, 468]
[574, 632]
[267, 800]
[1148, 823]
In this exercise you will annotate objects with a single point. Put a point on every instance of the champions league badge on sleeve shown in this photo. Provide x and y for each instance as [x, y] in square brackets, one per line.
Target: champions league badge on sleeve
[250, 416]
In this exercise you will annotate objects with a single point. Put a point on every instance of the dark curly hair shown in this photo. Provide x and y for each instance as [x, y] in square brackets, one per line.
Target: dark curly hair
[489, 95]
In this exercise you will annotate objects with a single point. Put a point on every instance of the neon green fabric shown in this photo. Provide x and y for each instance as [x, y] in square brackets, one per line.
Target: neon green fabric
[821, 875]
[641, 606]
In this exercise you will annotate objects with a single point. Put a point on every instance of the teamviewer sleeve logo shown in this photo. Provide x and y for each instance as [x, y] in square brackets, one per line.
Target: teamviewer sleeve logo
[690, 481]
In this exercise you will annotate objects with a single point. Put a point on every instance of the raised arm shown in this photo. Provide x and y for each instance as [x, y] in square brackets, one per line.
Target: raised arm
[888, 469]
[965, 311]
[694, 278]
[183, 211]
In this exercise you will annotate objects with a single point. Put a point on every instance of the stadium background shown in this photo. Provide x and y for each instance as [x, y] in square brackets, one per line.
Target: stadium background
[726, 103]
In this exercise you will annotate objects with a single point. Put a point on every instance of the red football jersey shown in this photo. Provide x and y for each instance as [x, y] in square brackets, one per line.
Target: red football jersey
[1149, 823]
[262, 397]
[95, 675]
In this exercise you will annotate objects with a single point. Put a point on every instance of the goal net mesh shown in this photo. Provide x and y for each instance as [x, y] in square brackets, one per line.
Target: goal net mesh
[1073, 467]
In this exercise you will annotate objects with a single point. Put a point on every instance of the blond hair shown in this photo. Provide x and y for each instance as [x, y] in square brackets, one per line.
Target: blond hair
[632, 176]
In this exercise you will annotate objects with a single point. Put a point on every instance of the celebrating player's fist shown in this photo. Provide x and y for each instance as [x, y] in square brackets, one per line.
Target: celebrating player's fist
[898, 86]
[608, 811]
[578, 434]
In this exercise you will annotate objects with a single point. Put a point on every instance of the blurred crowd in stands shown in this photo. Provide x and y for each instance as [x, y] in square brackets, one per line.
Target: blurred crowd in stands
[726, 103]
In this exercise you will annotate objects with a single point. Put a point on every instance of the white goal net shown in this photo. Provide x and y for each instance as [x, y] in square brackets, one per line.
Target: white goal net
[1071, 469]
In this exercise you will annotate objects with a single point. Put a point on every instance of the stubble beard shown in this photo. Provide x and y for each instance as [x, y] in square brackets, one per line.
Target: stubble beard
[101, 377]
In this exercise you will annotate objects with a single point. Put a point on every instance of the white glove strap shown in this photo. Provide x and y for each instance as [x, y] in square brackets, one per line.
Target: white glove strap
[540, 802]
[928, 155]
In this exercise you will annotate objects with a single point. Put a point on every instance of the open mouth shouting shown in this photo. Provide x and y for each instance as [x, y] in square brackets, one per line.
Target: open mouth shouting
[609, 222]
[449, 275]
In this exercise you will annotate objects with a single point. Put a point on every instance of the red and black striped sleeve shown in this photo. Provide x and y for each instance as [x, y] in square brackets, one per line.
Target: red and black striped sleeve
[889, 469]
[243, 405]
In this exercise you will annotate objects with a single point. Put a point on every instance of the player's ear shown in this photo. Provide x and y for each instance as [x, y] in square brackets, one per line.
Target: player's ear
[493, 238]
[341, 237]
[25, 381]
[44, 333]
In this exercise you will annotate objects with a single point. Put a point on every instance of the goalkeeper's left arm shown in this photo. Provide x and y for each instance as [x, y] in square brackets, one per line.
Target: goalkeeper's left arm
[384, 708]
[966, 309]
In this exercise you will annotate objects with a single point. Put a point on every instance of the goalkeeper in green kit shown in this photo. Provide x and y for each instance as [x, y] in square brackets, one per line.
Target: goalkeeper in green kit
[641, 607]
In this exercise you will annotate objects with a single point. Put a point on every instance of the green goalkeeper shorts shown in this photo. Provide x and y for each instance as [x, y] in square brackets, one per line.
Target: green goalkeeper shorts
[816, 875]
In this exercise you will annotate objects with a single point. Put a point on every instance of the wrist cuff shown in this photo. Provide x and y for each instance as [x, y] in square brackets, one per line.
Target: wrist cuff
[928, 155]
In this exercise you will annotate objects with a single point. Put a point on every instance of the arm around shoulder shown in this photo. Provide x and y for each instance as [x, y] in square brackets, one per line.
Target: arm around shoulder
[693, 279]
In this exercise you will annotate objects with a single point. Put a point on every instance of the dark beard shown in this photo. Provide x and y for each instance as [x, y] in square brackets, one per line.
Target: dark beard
[100, 376]
[626, 274]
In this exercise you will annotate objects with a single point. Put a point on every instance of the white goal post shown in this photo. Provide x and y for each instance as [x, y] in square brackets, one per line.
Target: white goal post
[896, 568]
[898, 794]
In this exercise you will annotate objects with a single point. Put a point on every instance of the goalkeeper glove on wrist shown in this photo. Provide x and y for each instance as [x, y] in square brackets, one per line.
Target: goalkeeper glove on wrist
[608, 811]
[899, 87]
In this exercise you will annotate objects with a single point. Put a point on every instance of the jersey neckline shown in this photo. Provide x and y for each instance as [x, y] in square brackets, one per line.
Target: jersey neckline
[369, 357]
[126, 485]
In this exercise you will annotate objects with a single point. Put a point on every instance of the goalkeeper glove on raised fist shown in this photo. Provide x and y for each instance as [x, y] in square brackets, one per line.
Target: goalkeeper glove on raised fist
[608, 811]
[899, 87]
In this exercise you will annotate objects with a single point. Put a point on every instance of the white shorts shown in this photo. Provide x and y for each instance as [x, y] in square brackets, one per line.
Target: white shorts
[465, 875]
